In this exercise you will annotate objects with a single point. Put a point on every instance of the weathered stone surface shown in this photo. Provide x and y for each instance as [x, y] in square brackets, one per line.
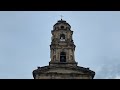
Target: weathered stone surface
[62, 64]
[49, 72]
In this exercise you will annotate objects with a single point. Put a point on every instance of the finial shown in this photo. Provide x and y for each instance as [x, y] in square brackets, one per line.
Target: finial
[61, 17]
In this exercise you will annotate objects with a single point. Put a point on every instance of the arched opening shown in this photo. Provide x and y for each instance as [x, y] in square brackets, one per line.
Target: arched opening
[62, 27]
[62, 57]
[62, 37]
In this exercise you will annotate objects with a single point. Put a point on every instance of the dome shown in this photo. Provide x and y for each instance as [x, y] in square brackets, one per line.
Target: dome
[61, 24]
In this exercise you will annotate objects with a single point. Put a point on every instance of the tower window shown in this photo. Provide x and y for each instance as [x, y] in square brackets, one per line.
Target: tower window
[62, 37]
[62, 57]
[62, 27]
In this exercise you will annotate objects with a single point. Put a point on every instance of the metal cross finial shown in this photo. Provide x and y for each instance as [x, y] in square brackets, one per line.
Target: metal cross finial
[61, 17]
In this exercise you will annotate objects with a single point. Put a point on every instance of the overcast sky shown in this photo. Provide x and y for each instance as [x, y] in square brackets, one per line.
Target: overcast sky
[25, 37]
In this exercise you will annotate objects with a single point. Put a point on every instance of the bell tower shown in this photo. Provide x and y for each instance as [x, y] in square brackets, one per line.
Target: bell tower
[62, 63]
[62, 47]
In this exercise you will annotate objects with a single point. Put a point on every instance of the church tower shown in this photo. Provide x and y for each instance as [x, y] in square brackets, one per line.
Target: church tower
[62, 64]
[62, 46]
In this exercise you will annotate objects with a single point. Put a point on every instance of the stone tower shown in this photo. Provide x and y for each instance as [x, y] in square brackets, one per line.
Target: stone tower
[62, 64]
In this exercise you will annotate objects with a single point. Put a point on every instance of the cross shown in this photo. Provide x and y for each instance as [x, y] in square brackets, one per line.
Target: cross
[61, 17]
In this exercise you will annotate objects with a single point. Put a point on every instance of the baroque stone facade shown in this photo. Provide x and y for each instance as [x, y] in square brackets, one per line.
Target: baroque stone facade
[62, 64]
